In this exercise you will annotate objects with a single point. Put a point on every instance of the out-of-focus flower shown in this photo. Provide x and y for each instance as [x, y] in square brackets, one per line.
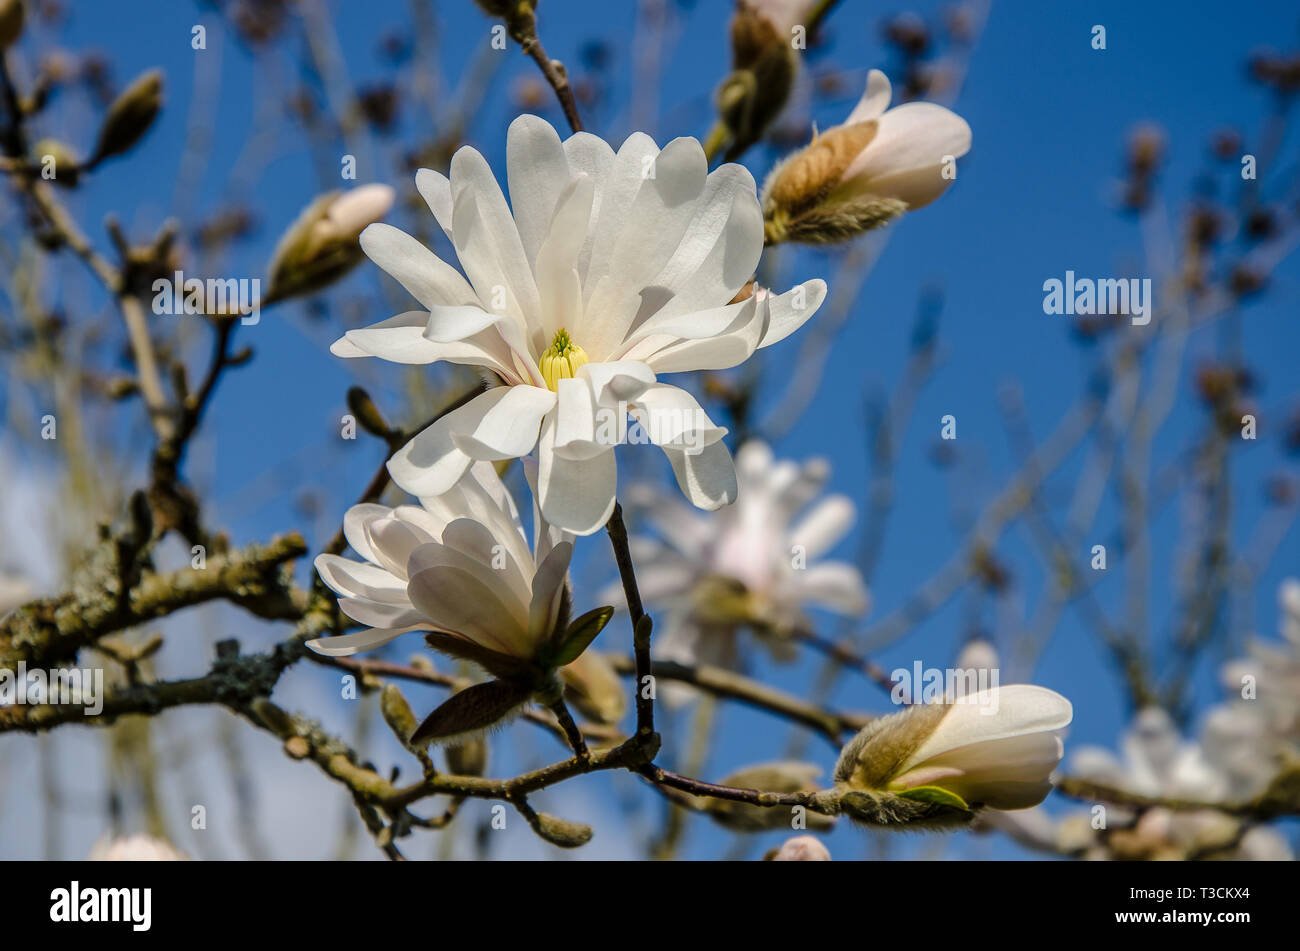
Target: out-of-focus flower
[130, 116]
[11, 22]
[936, 764]
[592, 685]
[14, 592]
[867, 171]
[136, 848]
[802, 848]
[610, 269]
[764, 60]
[1155, 761]
[756, 564]
[322, 244]
[458, 566]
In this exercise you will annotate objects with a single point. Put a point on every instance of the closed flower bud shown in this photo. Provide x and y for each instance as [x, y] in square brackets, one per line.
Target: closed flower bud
[801, 848]
[561, 832]
[764, 62]
[397, 712]
[469, 757]
[592, 685]
[321, 245]
[864, 173]
[11, 22]
[779, 777]
[936, 764]
[130, 116]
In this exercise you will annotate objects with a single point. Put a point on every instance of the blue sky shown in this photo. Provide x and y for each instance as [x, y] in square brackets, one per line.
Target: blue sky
[1035, 197]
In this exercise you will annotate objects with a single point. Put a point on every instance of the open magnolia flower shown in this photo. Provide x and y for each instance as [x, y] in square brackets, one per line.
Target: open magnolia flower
[755, 564]
[863, 173]
[609, 270]
[458, 567]
[936, 764]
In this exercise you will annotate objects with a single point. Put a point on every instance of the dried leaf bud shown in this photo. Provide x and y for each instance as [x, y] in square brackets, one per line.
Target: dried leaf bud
[11, 22]
[322, 244]
[130, 116]
[801, 848]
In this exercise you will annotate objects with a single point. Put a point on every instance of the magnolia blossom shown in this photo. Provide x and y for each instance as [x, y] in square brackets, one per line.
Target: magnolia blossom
[755, 564]
[457, 565]
[995, 748]
[136, 848]
[607, 270]
[321, 244]
[802, 848]
[858, 175]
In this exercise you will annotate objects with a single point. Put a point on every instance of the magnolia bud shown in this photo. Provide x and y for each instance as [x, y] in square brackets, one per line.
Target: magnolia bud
[561, 832]
[592, 685]
[779, 777]
[469, 757]
[802, 848]
[321, 245]
[130, 116]
[397, 712]
[935, 764]
[11, 22]
[763, 68]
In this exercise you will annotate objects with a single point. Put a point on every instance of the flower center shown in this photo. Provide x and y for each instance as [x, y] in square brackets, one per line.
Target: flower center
[561, 360]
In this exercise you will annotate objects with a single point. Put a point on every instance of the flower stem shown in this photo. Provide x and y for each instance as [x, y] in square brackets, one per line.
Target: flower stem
[571, 731]
[645, 712]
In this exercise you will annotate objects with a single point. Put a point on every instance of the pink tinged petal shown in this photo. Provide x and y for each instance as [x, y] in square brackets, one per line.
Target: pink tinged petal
[576, 495]
[548, 586]
[663, 208]
[590, 155]
[824, 525]
[1016, 710]
[537, 171]
[427, 278]
[486, 238]
[835, 585]
[906, 158]
[348, 644]
[458, 602]
[874, 101]
[789, 311]
[355, 579]
[509, 429]
[431, 463]
[382, 614]
[707, 477]
[671, 417]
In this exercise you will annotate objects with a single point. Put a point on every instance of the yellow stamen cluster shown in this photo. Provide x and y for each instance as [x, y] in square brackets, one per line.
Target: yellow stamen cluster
[561, 360]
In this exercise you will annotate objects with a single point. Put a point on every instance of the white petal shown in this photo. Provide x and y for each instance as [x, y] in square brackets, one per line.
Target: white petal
[616, 381]
[428, 278]
[348, 644]
[789, 311]
[355, 579]
[874, 101]
[460, 603]
[354, 528]
[398, 339]
[834, 585]
[431, 463]
[707, 477]
[381, 614]
[547, 590]
[590, 155]
[509, 429]
[824, 525]
[671, 417]
[576, 495]
[538, 171]
[912, 137]
[435, 189]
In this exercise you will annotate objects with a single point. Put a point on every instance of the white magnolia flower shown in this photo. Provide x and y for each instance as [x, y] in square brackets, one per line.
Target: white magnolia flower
[755, 564]
[457, 565]
[606, 270]
[1155, 761]
[994, 748]
[802, 848]
[1265, 684]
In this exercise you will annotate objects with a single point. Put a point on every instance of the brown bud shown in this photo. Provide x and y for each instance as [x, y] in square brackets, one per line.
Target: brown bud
[11, 22]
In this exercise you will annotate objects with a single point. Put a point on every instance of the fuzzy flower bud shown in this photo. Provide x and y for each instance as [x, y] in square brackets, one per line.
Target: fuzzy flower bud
[321, 245]
[11, 22]
[865, 172]
[130, 116]
[936, 764]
